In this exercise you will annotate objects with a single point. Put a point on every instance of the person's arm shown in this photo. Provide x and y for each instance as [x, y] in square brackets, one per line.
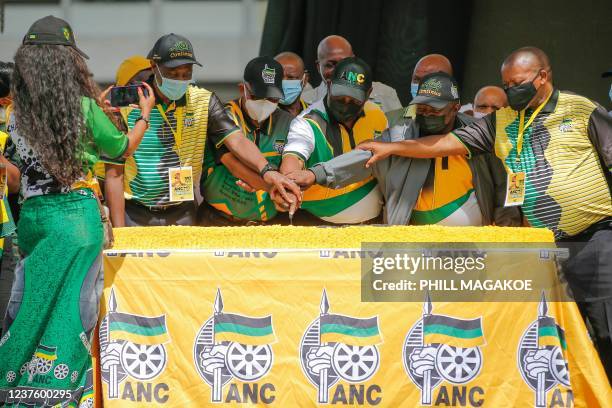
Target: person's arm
[113, 191]
[13, 175]
[242, 172]
[478, 137]
[600, 134]
[223, 130]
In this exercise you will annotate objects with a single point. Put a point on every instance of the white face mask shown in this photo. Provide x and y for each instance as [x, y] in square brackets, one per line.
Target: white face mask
[260, 109]
[479, 115]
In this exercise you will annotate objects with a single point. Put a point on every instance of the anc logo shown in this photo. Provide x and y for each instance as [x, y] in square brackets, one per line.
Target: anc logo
[232, 346]
[432, 87]
[131, 345]
[180, 46]
[67, 33]
[566, 125]
[268, 74]
[353, 77]
[443, 348]
[44, 362]
[542, 360]
[336, 347]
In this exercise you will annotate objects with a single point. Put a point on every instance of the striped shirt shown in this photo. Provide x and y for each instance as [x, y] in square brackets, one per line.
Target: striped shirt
[176, 138]
[566, 157]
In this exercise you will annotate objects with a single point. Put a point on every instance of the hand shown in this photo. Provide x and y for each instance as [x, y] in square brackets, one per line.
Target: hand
[319, 359]
[536, 362]
[282, 205]
[281, 183]
[146, 103]
[380, 150]
[423, 359]
[104, 99]
[110, 356]
[303, 178]
[213, 357]
[245, 186]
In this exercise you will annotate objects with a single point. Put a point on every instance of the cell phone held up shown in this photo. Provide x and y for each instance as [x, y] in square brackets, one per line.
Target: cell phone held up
[126, 95]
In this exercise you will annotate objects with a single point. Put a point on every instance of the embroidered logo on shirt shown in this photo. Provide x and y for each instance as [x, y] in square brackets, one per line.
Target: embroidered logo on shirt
[566, 125]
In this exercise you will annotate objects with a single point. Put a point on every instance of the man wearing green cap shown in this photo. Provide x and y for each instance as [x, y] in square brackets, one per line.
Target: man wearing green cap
[261, 120]
[185, 116]
[330, 127]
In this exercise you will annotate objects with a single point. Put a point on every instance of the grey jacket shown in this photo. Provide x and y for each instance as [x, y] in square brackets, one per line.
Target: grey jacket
[401, 179]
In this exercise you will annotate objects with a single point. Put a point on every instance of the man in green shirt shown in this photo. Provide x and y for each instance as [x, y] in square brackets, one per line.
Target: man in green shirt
[262, 121]
[184, 117]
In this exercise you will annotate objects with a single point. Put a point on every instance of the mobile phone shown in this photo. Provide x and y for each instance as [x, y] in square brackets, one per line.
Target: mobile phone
[126, 95]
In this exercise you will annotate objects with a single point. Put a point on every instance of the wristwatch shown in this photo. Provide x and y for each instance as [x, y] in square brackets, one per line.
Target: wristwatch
[268, 167]
[142, 118]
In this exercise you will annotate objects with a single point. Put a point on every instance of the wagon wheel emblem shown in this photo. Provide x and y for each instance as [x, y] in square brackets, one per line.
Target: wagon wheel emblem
[458, 365]
[142, 361]
[558, 367]
[10, 376]
[355, 363]
[61, 371]
[43, 366]
[248, 362]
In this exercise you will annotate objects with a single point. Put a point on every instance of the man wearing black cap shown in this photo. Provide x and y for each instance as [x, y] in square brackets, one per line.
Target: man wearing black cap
[185, 116]
[257, 114]
[332, 126]
[446, 191]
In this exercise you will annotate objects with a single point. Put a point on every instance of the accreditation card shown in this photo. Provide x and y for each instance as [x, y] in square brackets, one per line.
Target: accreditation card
[180, 182]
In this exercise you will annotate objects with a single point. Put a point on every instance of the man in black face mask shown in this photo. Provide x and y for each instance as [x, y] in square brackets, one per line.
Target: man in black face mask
[558, 145]
[330, 127]
[445, 191]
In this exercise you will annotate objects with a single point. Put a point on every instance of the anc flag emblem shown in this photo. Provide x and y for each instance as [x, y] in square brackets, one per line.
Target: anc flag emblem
[137, 329]
[349, 330]
[46, 352]
[550, 333]
[243, 329]
[438, 329]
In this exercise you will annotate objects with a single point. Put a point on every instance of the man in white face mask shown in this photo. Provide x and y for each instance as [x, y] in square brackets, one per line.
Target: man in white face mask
[256, 112]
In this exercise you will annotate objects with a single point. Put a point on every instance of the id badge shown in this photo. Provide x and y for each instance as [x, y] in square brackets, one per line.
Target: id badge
[515, 189]
[3, 180]
[180, 181]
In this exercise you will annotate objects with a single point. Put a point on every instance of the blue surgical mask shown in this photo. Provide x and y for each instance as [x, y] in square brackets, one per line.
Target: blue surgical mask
[292, 88]
[610, 93]
[414, 88]
[173, 89]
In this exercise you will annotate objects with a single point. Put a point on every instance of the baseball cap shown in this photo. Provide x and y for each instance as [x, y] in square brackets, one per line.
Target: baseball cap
[437, 90]
[51, 30]
[172, 50]
[351, 77]
[130, 67]
[265, 77]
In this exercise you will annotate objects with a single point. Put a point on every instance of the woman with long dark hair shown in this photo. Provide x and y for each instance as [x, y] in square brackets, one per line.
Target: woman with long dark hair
[60, 129]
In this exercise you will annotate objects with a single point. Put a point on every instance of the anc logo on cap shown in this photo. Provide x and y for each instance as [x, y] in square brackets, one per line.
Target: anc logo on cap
[454, 91]
[180, 49]
[180, 46]
[353, 77]
[67, 33]
[268, 74]
[432, 87]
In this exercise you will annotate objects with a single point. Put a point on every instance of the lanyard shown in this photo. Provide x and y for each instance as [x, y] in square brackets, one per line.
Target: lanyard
[523, 126]
[178, 132]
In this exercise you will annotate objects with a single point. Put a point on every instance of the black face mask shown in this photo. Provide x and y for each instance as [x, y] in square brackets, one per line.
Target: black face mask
[519, 96]
[343, 112]
[431, 125]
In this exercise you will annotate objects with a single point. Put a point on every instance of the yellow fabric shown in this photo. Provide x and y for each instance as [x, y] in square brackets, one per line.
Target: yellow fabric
[366, 127]
[130, 67]
[448, 184]
[147, 280]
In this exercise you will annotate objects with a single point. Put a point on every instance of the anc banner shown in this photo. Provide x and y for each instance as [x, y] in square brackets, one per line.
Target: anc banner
[287, 328]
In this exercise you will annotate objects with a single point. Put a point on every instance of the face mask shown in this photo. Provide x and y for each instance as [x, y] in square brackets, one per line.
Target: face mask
[519, 96]
[414, 88]
[292, 88]
[343, 112]
[260, 109]
[479, 115]
[610, 93]
[431, 125]
[173, 89]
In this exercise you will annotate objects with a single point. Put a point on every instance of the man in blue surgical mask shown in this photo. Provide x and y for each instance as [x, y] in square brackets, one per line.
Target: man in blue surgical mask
[294, 80]
[185, 117]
